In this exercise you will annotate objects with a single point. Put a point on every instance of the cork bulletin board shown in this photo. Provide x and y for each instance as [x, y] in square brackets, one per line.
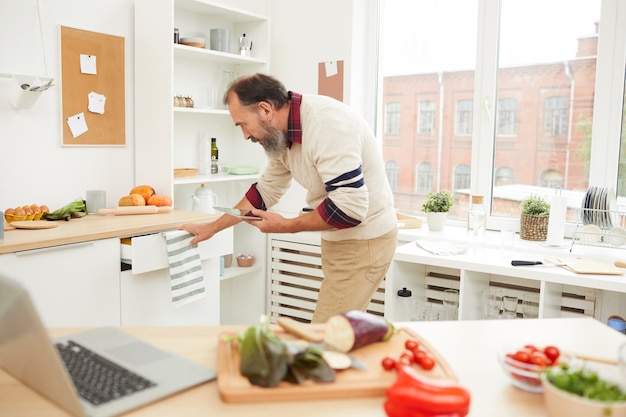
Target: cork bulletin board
[330, 79]
[93, 90]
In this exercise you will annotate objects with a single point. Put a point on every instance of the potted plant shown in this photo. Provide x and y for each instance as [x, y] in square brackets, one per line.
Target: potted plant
[436, 207]
[535, 211]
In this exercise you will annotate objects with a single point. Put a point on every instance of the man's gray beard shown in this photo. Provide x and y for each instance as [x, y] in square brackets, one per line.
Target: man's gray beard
[274, 141]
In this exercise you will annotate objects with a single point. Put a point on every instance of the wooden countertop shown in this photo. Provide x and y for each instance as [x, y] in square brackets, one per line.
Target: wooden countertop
[94, 227]
[468, 346]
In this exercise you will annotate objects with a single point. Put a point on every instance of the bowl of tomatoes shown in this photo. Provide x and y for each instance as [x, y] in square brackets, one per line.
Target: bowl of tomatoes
[524, 365]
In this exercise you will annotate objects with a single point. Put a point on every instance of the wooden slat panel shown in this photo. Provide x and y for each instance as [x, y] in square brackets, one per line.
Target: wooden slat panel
[308, 282]
[294, 291]
[282, 244]
[297, 269]
[297, 257]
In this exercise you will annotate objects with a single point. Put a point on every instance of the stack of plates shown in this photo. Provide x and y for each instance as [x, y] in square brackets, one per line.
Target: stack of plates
[598, 207]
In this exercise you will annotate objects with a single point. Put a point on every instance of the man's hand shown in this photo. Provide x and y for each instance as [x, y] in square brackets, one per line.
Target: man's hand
[202, 232]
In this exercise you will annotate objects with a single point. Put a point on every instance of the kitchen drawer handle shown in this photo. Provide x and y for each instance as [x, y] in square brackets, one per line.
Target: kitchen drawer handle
[52, 248]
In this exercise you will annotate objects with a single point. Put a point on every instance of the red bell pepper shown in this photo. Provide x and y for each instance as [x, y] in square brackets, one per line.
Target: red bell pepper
[414, 395]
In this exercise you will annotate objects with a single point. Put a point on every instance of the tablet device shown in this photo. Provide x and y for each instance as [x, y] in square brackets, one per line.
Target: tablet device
[237, 213]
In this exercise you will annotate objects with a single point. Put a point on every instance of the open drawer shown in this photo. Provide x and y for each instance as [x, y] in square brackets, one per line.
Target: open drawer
[149, 253]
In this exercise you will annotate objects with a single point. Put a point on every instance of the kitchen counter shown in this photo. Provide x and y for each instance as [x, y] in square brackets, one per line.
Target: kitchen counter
[95, 227]
[468, 346]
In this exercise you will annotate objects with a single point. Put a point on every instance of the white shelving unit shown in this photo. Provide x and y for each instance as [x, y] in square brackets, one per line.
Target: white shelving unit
[167, 137]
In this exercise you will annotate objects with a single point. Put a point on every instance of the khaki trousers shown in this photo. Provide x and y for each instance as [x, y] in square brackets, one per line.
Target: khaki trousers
[353, 271]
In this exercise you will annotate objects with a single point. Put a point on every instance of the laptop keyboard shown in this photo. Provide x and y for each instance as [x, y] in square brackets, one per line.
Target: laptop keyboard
[97, 379]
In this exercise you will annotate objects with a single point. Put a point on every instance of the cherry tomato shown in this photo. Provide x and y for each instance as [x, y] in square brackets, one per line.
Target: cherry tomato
[408, 355]
[388, 363]
[538, 358]
[427, 363]
[522, 356]
[411, 344]
[419, 355]
[552, 353]
[531, 348]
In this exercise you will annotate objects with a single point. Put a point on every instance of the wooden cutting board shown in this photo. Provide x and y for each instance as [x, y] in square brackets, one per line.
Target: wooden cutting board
[34, 224]
[350, 383]
[586, 266]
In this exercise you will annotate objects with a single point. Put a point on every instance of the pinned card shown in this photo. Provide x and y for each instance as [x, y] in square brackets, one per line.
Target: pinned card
[331, 68]
[77, 124]
[96, 103]
[88, 64]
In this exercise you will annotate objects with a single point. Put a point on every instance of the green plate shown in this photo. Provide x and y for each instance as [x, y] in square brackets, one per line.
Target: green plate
[243, 170]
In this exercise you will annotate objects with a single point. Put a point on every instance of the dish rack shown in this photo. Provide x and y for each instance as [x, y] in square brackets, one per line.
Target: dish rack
[602, 228]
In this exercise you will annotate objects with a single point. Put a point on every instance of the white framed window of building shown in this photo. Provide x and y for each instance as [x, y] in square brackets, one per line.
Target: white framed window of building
[464, 117]
[424, 181]
[392, 118]
[506, 120]
[392, 169]
[426, 118]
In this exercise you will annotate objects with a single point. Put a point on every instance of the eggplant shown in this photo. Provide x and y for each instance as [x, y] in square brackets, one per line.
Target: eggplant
[355, 328]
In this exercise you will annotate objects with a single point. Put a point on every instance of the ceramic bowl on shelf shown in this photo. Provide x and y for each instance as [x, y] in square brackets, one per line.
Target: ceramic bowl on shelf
[245, 260]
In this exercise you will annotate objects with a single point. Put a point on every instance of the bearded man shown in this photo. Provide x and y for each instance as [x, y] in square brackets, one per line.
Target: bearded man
[330, 150]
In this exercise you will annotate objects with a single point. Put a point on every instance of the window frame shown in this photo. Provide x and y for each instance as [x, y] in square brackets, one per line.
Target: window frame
[607, 115]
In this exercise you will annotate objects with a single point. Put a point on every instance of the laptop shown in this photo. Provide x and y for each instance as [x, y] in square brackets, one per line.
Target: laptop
[27, 353]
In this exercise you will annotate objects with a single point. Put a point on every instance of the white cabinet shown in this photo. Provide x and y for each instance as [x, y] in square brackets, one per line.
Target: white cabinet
[295, 276]
[145, 289]
[561, 293]
[71, 285]
[167, 137]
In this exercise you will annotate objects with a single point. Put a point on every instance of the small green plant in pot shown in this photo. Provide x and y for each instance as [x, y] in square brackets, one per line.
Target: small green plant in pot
[535, 212]
[436, 207]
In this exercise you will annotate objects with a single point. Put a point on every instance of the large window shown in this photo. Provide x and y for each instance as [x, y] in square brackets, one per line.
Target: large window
[538, 120]
[392, 118]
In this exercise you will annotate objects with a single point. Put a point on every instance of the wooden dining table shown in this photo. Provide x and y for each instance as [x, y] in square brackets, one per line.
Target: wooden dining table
[469, 347]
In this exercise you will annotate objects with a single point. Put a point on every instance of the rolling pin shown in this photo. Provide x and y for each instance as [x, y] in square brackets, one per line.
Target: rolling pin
[620, 264]
[125, 210]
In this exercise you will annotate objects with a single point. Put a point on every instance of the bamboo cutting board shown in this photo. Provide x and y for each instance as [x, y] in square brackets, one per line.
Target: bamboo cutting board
[350, 383]
[586, 266]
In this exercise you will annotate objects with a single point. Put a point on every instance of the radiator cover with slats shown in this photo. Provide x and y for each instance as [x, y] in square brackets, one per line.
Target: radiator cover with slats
[296, 278]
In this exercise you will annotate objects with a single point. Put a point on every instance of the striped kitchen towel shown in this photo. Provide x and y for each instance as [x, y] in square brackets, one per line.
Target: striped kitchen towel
[187, 279]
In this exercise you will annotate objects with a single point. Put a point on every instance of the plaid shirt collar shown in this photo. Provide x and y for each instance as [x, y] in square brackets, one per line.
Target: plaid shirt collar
[294, 128]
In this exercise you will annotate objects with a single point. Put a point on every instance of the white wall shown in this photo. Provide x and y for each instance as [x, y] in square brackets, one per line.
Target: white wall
[305, 33]
[35, 168]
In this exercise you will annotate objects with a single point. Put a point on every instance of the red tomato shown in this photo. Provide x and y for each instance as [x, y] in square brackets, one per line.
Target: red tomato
[408, 355]
[427, 363]
[531, 348]
[388, 363]
[552, 353]
[522, 356]
[419, 355]
[411, 344]
[539, 358]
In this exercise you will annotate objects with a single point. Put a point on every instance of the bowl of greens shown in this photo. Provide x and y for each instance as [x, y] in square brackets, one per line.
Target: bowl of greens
[576, 391]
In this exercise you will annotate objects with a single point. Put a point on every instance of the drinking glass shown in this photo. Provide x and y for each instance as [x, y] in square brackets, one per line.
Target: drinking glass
[426, 312]
[450, 303]
[530, 305]
[509, 303]
[492, 303]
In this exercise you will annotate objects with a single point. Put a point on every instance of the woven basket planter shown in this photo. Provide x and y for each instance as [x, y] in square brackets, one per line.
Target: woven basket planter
[533, 227]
